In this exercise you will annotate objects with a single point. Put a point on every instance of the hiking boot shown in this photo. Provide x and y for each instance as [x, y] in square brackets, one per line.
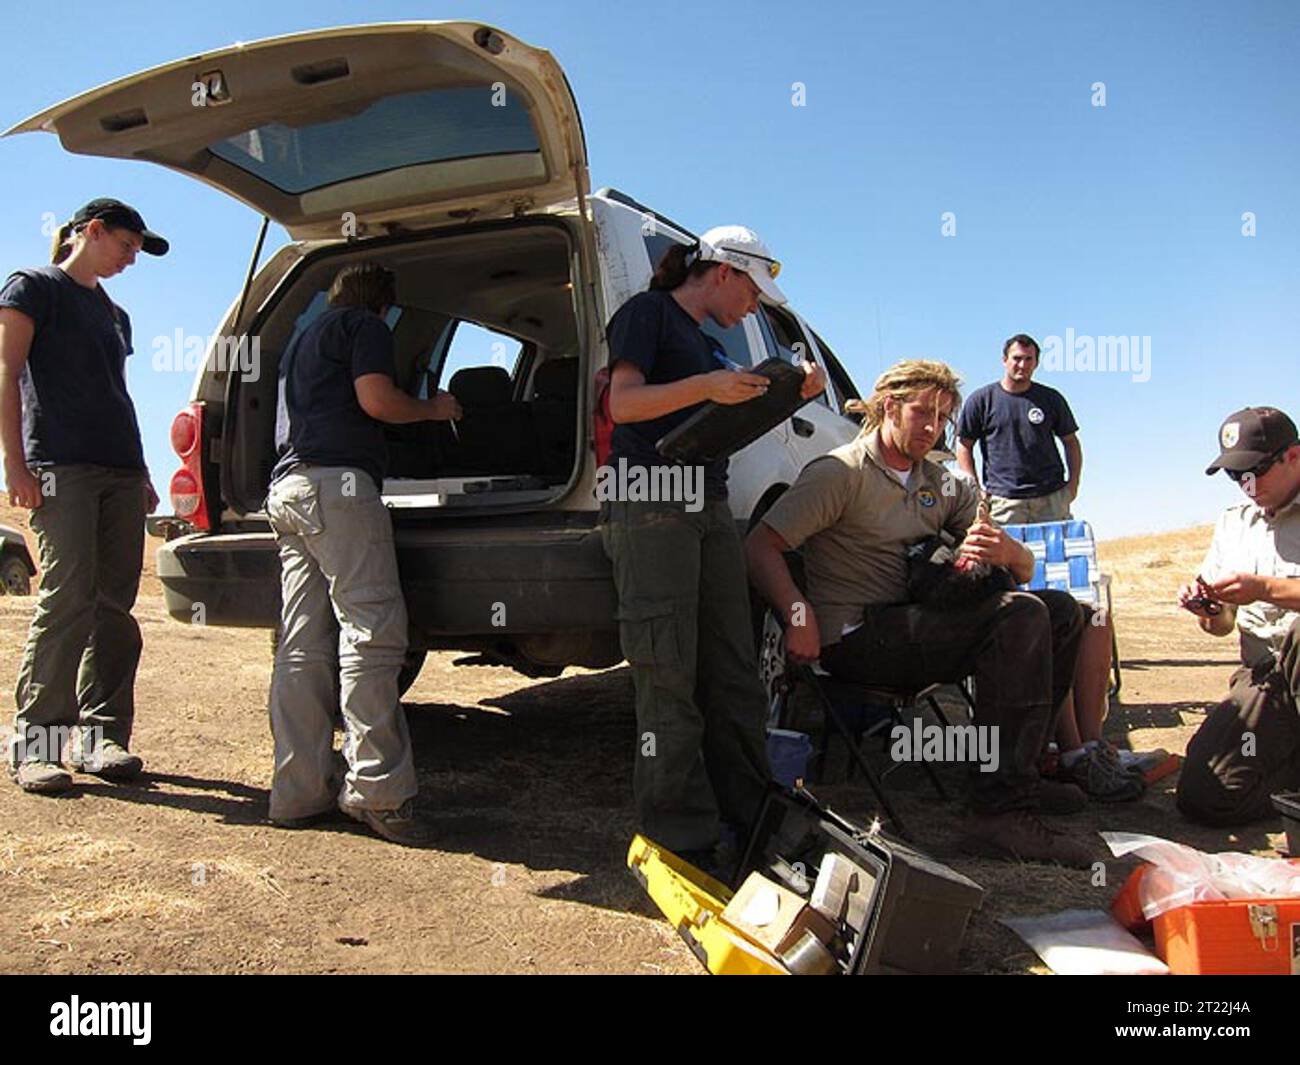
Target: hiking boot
[397, 826]
[108, 762]
[1056, 797]
[1103, 779]
[41, 778]
[1019, 834]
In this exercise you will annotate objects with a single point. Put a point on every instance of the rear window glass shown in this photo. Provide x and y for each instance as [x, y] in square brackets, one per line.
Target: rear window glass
[431, 126]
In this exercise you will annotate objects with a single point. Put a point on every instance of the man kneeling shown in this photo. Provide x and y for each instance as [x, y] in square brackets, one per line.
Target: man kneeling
[855, 512]
[1249, 745]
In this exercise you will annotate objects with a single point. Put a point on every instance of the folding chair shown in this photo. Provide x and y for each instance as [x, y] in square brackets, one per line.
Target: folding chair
[836, 697]
[1065, 558]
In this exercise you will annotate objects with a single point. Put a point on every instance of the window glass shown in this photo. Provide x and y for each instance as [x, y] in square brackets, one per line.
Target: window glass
[474, 345]
[408, 129]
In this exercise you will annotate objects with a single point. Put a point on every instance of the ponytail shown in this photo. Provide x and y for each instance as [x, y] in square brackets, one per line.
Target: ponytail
[61, 247]
[672, 270]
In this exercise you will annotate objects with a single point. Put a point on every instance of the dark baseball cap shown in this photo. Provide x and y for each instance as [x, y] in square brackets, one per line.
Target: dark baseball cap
[1252, 435]
[116, 213]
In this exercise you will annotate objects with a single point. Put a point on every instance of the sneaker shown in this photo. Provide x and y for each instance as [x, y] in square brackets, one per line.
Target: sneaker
[1020, 835]
[397, 826]
[1103, 779]
[41, 778]
[1057, 797]
[109, 762]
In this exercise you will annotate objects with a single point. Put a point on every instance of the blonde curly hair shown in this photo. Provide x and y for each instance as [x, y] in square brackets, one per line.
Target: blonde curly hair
[904, 381]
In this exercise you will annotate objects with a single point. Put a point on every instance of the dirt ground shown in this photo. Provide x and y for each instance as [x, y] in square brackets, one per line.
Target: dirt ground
[529, 785]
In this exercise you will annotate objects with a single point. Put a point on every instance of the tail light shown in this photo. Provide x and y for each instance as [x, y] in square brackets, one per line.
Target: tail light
[186, 489]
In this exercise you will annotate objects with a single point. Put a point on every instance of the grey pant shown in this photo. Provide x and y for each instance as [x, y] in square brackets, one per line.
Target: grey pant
[1052, 507]
[83, 645]
[342, 642]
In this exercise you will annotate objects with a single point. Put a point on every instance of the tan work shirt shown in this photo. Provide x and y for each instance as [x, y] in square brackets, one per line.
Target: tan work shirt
[855, 521]
[1247, 540]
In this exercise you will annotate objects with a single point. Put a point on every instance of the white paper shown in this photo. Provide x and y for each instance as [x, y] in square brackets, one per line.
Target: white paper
[1086, 943]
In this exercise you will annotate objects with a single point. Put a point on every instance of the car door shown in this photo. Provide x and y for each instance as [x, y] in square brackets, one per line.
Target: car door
[350, 132]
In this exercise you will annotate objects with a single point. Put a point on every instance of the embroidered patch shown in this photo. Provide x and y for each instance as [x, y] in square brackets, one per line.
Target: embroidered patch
[1230, 434]
[925, 497]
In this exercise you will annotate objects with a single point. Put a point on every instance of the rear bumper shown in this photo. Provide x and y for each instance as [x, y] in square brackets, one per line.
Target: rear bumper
[487, 583]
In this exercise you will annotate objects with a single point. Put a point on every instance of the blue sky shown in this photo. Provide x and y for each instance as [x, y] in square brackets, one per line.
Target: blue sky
[1116, 220]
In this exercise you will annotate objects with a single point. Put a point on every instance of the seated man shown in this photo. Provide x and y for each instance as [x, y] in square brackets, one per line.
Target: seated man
[1249, 745]
[856, 511]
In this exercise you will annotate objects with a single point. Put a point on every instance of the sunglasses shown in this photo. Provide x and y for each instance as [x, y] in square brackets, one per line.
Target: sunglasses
[773, 267]
[1258, 471]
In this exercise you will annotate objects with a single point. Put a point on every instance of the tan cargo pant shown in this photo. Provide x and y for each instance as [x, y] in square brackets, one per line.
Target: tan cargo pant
[1052, 507]
[343, 638]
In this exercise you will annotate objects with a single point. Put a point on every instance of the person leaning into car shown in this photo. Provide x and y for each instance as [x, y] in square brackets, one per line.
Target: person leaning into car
[683, 598]
[343, 624]
[73, 457]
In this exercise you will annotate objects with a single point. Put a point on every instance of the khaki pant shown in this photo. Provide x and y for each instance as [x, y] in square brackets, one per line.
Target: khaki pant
[1053, 507]
[1248, 747]
[83, 646]
[343, 638]
[684, 623]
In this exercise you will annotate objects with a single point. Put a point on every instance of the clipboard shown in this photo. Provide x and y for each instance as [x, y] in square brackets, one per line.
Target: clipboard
[718, 430]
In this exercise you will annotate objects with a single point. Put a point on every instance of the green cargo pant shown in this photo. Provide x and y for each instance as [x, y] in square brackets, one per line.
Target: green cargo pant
[684, 623]
[83, 645]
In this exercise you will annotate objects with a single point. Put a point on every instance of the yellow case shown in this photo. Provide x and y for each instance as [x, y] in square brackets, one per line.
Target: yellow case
[692, 901]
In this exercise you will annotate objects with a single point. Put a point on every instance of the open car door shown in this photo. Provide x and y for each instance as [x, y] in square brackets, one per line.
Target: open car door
[381, 128]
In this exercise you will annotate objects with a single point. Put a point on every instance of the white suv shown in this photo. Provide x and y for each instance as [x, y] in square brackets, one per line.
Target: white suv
[454, 154]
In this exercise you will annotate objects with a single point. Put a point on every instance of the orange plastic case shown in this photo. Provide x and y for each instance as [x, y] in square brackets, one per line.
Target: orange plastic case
[1232, 937]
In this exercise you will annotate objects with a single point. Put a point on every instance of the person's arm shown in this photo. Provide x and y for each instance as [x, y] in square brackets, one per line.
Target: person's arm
[1073, 464]
[384, 401]
[765, 551]
[16, 332]
[966, 458]
[632, 400]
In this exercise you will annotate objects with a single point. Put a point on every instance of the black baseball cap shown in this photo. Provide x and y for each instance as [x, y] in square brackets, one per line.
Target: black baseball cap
[1252, 435]
[116, 213]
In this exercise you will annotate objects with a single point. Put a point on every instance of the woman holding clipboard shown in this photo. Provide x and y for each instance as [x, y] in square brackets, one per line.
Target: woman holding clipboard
[684, 618]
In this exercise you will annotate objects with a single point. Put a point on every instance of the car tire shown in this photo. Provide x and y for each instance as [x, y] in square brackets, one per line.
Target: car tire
[14, 578]
[771, 665]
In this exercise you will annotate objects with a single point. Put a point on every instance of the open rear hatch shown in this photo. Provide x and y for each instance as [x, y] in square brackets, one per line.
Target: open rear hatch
[352, 131]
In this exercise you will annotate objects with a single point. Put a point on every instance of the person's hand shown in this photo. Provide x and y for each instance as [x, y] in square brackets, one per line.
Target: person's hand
[729, 387]
[1072, 490]
[443, 406]
[150, 498]
[24, 488]
[803, 641]
[986, 542]
[814, 381]
[1240, 588]
[1192, 597]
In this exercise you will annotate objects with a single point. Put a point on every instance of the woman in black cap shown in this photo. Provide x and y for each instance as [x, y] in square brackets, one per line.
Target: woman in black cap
[73, 457]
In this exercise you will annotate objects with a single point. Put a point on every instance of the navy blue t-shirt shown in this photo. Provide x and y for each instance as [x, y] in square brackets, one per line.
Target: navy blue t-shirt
[653, 333]
[76, 408]
[318, 418]
[1017, 436]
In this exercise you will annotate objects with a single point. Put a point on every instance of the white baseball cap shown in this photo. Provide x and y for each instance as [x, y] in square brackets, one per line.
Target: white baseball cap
[741, 248]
